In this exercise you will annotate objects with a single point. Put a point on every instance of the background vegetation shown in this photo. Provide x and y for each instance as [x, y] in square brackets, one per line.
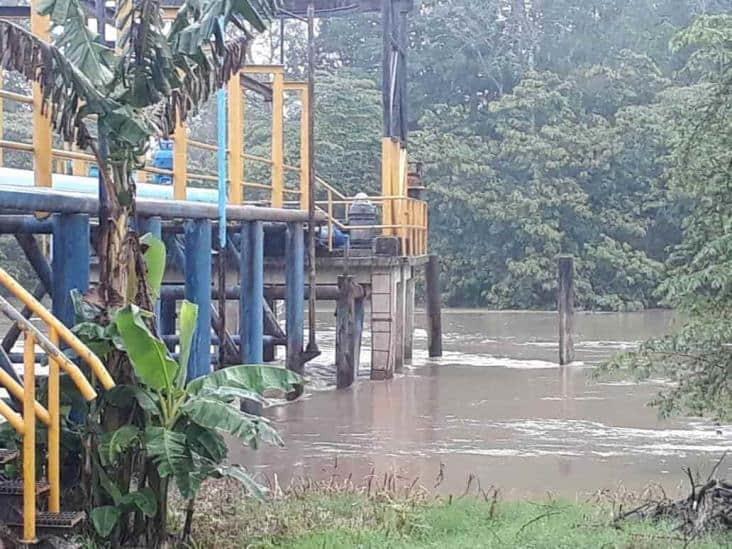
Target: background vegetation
[545, 128]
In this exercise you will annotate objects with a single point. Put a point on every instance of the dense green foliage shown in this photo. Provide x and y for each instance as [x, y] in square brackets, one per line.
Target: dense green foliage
[545, 128]
[699, 356]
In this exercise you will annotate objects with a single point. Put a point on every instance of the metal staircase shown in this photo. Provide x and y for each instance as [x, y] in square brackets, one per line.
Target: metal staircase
[30, 502]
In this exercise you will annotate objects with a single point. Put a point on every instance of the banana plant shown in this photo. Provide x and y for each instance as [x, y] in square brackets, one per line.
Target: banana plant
[184, 421]
[154, 76]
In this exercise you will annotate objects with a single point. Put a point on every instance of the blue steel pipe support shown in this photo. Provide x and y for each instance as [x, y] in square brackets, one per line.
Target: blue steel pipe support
[154, 226]
[251, 303]
[198, 291]
[167, 318]
[71, 261]
[295, 295]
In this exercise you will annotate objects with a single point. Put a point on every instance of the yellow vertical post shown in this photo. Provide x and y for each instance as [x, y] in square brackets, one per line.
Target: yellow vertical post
[236, 137]
[54, 430]
[278, 138]
[386, 187]
[180, 161]
[42, 139]
[305, 138]
[29, 440]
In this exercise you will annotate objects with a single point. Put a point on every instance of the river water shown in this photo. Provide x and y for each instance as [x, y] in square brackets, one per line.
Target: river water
[496, 406]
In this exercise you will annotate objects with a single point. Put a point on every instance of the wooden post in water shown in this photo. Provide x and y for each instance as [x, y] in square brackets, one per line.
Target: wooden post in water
[565, 305]
[434, 312]
[345, 333]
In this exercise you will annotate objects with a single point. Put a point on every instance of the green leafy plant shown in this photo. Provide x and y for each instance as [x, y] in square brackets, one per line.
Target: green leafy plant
[183, 422]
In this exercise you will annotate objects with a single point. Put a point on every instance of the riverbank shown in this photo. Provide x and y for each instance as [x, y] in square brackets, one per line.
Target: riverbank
[333, 516]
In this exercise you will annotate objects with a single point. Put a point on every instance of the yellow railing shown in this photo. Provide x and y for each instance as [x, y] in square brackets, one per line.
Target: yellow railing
[25, 424]
[401, 216]
[411, 224]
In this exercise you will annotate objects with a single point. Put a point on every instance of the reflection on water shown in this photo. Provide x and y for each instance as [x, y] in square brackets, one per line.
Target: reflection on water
[496, 405]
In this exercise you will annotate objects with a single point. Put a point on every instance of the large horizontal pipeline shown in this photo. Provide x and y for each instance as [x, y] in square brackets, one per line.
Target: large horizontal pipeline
[267, 339]
[46, 200]
[24, 224]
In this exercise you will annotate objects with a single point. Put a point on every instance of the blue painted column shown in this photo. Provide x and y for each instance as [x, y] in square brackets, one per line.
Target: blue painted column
[251, 301]
[71, 261]
[295, 295]
[198, 291]
[154, 226]
[166, 323]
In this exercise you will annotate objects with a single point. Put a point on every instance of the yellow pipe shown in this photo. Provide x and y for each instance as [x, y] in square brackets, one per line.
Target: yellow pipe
[386, 186]
[54, 430]
[42, 138]
[16, 389]
[236, 136]
[13, 417]
[278, 139]
[67, 337]
[29, 440]
[180, 162]
[264, 69]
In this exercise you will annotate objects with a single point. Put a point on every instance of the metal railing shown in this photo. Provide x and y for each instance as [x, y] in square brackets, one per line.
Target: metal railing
[24, 422]
[401, 216]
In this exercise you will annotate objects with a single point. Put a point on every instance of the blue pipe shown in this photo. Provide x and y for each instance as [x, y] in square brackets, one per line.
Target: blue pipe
[198, 291]
[251, 302]
[71, 259]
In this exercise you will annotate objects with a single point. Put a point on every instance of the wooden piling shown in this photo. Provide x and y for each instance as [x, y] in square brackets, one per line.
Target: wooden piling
[345, 333]
[434, 307]
[295, 296]
[565, 305]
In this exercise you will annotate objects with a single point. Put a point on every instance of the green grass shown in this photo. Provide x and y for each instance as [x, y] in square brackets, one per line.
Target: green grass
[310, 521]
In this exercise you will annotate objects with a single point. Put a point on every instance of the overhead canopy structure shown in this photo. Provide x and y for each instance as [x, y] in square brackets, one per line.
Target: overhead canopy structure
[394, 69]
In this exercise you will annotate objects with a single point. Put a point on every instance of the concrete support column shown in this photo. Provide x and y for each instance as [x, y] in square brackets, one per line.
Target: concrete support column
[400, 318]
[71, 262]
[409, 318]
[383, 323]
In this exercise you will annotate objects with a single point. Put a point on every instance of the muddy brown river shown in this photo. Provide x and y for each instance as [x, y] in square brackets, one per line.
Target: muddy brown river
[496, 406]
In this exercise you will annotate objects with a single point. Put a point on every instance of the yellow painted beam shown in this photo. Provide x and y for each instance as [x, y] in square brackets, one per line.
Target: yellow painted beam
[236, 140]
[278, 139]
[16, 390]
[42, 137]
[67, 337]
[14, 418]
[386, 185]
[180, 162]
[54, 430]
[264, 69]
[29, 440]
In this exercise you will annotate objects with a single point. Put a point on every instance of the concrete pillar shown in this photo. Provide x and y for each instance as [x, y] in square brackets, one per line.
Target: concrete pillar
[400, 318]
[383, 323]
[409, 318]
